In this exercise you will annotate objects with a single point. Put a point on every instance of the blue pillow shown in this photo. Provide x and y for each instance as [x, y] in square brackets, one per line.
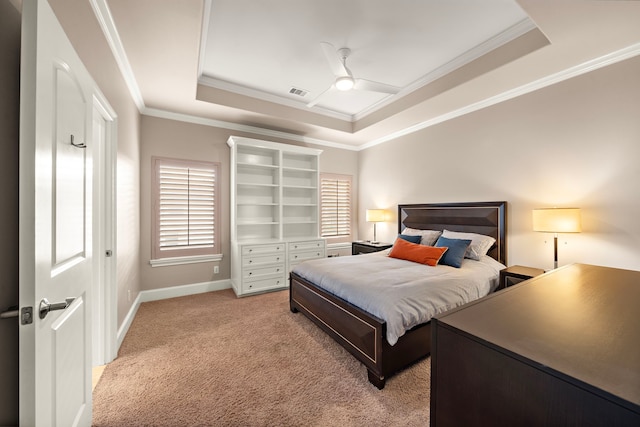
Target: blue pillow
[455, 254]
[412, 239]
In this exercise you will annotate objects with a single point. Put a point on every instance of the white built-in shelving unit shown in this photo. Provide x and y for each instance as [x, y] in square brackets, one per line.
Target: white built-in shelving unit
[274, 212]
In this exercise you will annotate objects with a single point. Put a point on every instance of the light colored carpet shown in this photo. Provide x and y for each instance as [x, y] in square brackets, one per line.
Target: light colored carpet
[216, 360]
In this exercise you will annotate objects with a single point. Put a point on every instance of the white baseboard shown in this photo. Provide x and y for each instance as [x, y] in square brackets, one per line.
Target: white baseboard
[126, 324]
[165, 293]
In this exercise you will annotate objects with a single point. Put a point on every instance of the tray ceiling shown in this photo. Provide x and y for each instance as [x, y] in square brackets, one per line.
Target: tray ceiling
[266, 49]
[232, 63]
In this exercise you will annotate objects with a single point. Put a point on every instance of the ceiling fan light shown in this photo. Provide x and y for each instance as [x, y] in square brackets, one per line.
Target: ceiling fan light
[344, 83]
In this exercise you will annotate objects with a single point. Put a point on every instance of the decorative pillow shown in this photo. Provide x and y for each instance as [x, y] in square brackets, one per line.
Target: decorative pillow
[417, 253]
[412, 239]
[429, 237]
[456, 251]
[480, 244]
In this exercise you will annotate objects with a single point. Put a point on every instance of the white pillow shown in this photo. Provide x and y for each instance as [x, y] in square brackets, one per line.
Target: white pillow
[480, 244]
[429, 237]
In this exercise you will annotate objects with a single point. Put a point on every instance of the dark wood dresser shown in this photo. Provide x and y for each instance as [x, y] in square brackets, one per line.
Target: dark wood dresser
[562, 349]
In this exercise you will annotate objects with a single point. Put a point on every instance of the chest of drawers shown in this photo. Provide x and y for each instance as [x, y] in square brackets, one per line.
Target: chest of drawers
[266, 266]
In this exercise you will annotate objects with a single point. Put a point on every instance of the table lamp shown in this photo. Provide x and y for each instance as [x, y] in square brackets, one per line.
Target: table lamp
[556, 220]
[374, 216]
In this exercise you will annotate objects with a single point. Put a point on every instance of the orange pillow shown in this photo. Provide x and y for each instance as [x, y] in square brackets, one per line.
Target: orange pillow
[428, 255]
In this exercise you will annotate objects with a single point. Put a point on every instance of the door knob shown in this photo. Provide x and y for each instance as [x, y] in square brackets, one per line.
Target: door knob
[46, 306]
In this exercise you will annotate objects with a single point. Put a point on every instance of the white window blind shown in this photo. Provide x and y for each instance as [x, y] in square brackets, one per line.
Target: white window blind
[186, 220]
[335, 207]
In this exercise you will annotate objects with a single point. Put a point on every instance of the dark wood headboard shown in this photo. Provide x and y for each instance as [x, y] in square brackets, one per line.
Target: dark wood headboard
[489, 218]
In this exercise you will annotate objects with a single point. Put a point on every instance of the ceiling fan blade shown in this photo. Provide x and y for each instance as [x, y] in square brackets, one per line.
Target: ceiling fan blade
[362, 84]
[319, 97]
[337, 67]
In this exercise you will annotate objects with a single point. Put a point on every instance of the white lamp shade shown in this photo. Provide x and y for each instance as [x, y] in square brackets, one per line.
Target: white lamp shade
[557, 220]
[345, 83]
[375, 215]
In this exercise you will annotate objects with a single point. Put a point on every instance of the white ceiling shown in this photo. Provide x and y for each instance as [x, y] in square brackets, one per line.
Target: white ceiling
[263, 49]
[230, 63]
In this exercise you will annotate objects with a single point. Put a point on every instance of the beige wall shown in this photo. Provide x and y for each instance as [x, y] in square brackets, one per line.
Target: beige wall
[169, 138]
[576, 143]
[80, 24]
[9, 156]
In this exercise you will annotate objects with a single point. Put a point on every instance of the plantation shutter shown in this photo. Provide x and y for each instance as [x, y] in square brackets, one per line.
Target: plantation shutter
[186, 214]
[335, 201]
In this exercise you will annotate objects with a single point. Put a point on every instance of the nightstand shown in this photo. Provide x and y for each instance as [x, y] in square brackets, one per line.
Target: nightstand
[358, 248]
[516, 274]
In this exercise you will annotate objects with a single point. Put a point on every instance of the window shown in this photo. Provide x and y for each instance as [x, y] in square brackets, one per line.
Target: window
[335, 207]
[185, 221]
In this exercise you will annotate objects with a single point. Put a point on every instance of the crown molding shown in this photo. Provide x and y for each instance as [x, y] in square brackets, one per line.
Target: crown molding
[164, 114]
[105, 19]
[204, 35]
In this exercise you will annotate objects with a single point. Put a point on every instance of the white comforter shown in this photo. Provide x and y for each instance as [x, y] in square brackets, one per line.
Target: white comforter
[402, 293]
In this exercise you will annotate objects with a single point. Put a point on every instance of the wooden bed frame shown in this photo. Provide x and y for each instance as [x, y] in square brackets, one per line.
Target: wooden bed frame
[364, 335]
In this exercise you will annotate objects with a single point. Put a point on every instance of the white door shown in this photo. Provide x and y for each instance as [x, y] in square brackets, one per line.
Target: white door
[55, 224]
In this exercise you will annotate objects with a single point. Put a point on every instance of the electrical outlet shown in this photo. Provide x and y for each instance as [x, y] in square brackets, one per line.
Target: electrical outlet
[216, 269]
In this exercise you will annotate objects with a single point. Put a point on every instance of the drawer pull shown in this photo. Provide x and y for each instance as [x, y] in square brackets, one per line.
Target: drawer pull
[250, 261]
[277, 270]
[250, 273]
[296, 257]
[296, 246]
[250, 250]
[278, 259]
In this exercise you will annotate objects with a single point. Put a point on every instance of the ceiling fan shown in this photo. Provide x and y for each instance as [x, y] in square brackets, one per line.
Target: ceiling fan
[344, 78]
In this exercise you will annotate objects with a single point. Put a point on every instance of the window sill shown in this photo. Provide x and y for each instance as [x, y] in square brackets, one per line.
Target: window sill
[164, 262]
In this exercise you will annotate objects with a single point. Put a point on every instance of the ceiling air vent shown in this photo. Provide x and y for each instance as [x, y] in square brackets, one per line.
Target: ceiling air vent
[299, 92]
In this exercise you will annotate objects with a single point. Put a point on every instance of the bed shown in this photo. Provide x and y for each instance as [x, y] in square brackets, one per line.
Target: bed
[364, 334]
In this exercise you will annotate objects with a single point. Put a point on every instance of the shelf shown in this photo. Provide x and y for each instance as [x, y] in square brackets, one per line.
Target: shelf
[250, 155]
[256, 222]
[257, 166]
[299, 230]
[254, 240]
[252, 184]
[299, 161]
[287, 168]
[256, 230]
[299, 178]
[299, 187]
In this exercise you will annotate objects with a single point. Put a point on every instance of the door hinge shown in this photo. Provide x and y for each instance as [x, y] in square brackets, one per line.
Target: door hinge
[109, 252]
[26, 316]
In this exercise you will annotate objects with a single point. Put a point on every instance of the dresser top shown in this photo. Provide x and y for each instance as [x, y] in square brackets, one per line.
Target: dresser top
[582, 321]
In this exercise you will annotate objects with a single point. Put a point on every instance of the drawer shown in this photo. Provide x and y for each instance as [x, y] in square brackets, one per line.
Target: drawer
[263, 249]
[306, 246]
[302, 256]
[257, 272]
[250, 260]
[264, 284]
